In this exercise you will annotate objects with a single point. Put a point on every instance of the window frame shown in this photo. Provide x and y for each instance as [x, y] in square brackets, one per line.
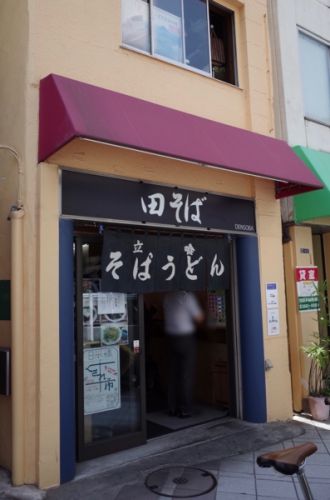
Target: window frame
[303, 31]
[182, 64]
[218, 6]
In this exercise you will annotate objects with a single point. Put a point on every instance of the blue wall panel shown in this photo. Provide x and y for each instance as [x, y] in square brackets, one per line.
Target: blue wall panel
[251, 333]
[67, 371]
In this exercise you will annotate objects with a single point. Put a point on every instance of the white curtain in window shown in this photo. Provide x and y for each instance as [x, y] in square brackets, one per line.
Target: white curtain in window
[135, 19]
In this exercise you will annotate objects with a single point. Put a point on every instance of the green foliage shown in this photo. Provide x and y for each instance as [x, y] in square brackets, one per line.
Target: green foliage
[318, 351]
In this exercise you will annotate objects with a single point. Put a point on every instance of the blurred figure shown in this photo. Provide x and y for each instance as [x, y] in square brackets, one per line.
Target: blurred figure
[182, 314]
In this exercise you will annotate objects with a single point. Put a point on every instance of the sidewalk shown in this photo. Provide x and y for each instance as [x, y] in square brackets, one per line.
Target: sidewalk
[226, 449]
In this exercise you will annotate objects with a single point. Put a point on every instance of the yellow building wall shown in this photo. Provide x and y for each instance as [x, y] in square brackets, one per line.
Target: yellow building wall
[302, 325]
[82, 40]
[14, 22]
[278, 385]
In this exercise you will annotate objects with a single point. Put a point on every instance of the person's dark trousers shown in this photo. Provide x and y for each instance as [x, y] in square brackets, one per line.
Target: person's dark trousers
[182, 357]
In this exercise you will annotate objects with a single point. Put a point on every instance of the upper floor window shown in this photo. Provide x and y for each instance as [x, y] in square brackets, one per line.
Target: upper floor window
[315, 70]
[194, 33]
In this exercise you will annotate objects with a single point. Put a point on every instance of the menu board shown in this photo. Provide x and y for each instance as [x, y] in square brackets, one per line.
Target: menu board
[105, 318]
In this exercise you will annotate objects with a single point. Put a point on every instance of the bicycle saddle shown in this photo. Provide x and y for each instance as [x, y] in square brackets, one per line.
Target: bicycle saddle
[289, 460]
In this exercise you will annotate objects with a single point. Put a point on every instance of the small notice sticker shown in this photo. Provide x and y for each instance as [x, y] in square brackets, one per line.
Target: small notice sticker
[271, 295]
[136, 346]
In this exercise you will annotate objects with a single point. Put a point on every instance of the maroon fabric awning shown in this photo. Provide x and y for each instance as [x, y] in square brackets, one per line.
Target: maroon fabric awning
[71, 109]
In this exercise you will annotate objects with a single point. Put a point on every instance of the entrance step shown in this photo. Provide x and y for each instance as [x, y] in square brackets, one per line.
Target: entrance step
[213, 440]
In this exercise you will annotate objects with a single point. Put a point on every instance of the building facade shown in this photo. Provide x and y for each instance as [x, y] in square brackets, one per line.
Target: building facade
[133, 132]
[300, 36]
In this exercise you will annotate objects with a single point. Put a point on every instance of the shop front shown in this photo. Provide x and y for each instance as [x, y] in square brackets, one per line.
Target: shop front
[138, 201]
[128, 256]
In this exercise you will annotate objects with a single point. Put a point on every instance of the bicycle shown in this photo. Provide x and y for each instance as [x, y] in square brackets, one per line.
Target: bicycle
[290, 461]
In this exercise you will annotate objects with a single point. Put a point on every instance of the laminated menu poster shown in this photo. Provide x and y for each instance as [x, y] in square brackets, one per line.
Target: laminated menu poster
[101, 379]
[112, 303]
[105, 317]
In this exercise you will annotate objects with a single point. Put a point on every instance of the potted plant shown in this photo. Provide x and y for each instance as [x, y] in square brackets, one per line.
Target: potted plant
[318, 351]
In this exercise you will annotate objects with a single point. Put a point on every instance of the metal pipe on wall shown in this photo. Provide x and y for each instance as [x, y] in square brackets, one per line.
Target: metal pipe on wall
[17, 364]
[17, 350]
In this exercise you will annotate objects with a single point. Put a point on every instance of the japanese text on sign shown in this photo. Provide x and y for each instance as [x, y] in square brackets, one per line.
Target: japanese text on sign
[185, 210]
[149, 262]
[118, 199]
[307, 286]
[101, 379]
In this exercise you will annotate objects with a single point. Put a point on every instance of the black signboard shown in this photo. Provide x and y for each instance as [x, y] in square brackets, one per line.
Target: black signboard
[145, 263]
[93, 196]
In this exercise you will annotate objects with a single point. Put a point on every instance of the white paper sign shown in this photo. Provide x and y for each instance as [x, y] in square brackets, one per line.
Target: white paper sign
[101, 379]
[273, 322]
[111, 303]
[271, 295]
[89, 313]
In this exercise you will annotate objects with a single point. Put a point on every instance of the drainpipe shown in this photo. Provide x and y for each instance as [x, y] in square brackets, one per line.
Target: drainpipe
[17, 342]
[17, 337]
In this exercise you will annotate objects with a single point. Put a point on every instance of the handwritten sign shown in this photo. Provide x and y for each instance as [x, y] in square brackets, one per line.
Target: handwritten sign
[101, 379]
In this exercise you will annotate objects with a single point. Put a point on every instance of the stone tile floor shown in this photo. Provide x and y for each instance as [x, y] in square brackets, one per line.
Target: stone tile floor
[240, 478]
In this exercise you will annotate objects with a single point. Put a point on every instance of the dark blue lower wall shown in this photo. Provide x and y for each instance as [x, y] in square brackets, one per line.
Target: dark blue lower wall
[251, 332]
[67, 372]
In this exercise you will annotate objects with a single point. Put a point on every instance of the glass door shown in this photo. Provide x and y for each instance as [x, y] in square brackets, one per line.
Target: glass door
[110, 360]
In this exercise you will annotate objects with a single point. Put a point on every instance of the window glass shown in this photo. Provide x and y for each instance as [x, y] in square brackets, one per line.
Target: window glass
[222, 34]
[315, 68]
[136, 24]
[196, 34]
[167, 29]
[182, 31]
[111, 360]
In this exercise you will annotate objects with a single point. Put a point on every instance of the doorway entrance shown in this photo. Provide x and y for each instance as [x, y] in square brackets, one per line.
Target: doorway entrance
[121, 362]
[213, 396]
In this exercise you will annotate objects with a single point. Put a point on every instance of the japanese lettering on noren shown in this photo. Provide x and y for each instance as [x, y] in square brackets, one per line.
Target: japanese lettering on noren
[143, 260]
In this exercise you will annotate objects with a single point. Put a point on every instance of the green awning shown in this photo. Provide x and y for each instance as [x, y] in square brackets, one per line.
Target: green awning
[315, 204]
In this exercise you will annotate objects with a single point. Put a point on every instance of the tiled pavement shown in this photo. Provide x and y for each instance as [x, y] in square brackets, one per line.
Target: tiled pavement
[240, 478]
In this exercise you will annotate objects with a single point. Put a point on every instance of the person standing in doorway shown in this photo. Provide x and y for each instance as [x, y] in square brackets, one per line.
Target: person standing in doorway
[182, 314]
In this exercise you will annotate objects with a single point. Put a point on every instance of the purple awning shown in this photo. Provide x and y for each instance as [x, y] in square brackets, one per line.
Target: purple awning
[71, 109]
